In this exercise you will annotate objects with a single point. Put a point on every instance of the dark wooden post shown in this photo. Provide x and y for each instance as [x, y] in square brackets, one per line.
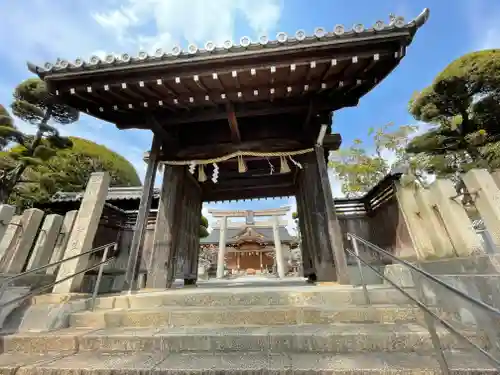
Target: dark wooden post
[307, 216]
[182, 221]
[323, 257]
[135, 258]
[172, 267]
[307, 264]
[160, 267]
[192, 232]
[334, 232]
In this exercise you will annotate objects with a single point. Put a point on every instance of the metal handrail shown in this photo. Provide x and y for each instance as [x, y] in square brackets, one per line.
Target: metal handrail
[104, 260]
[427, 312]
[41, 268]
[470, 299]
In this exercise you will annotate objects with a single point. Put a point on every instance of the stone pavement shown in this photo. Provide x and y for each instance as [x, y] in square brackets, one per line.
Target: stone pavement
[242, 326]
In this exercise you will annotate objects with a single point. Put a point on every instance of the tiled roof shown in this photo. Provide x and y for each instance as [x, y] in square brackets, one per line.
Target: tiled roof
[340, 33]
[231, 233]
[114, 193]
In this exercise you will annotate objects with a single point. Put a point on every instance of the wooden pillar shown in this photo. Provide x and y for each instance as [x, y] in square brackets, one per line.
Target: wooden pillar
[197, 205]
[192, 229]
[135, 256]
[322, 230]
[334, 232]
[160, 266]
[306, 216]
[307, 265]
[177, 229]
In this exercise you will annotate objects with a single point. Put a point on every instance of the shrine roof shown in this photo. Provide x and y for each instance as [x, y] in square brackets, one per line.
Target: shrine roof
[340, 34]
[114, 193]
[231, 234]
[328, 70]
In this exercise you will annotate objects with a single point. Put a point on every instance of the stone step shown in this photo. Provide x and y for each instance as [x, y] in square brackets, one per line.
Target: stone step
[338, 338]
[313, 295]
[241, 364]
[173, 316]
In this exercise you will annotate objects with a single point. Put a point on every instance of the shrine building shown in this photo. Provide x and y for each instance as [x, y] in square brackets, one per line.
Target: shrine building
[244, 120]
[251, 246]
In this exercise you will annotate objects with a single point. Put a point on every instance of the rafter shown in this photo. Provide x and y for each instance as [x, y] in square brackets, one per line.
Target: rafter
[233, 124]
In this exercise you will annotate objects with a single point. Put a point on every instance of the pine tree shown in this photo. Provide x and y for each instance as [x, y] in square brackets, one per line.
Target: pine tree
[34, 105]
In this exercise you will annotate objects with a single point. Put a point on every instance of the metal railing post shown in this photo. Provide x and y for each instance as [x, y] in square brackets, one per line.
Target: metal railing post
[354, 242]
[431, 326]
[99, 275]
[4, 284]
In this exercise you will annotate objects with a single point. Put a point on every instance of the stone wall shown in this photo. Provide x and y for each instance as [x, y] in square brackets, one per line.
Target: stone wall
[35, 239]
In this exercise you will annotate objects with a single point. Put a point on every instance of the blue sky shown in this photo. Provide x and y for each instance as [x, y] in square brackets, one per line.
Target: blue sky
[43, 30]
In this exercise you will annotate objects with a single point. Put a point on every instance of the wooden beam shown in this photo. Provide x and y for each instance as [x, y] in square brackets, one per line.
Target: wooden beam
[250, 182]
[269, 192]
[332, 142]
[265, 145]
[233, 124]
[164, 135]
[264, 108]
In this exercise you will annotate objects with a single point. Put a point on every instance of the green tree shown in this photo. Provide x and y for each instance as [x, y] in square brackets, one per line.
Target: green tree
[462, 105]
[69, 170]
[7, 128]
[33, 105]
[203, 227]
[360, 169]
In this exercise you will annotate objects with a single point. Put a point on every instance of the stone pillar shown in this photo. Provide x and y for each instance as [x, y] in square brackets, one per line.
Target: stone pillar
[278, 249]
[417, 231]
[486, 196]
[161, 266]
[261, 265]
[238, 261]
[135, 256]
[9, 241]
[433, 224]
[62, 240]
[222, 248]
[462, 234]
[6, 213]
[83, 232]
[46, 242]
[30, 223]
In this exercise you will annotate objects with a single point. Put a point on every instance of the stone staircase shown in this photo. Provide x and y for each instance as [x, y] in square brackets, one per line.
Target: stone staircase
[299, 330]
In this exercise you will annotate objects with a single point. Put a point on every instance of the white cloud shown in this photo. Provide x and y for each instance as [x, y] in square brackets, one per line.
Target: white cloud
[82, 28]
[193, 20]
